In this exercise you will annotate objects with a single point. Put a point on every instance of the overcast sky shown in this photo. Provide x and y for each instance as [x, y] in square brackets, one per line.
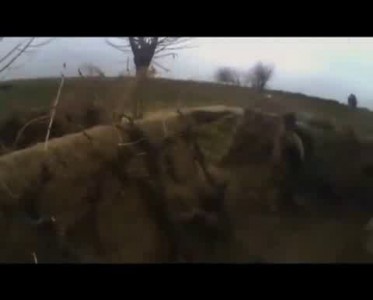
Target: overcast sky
[325, 67]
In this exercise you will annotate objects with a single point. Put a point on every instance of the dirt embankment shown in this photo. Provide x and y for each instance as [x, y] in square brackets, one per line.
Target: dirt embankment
[117, 194]
[174, 187]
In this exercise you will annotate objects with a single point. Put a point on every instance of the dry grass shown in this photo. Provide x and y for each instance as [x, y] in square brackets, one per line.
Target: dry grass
[161, 94]
[321, 232]
[118, 226]
[119, 220]
[108, 216]
[53, 112]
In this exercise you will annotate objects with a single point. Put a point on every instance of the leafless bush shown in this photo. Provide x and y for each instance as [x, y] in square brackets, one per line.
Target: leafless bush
[90, 70]
[227, 75]
[259, 76]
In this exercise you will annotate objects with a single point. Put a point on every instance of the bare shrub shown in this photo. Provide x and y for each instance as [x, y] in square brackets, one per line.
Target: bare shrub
[227, 75]
[259, 76]
[90, 70]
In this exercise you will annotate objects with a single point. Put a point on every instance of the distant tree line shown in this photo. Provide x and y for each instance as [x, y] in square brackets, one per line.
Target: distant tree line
[256, 77]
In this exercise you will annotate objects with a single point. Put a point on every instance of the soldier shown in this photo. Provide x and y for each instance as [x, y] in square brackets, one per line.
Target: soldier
[352, 101]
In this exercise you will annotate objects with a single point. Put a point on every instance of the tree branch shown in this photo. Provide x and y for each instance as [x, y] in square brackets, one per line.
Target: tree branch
[162, 44]
[10, 52]
[20, 48]
[17, 55]
[122, 48]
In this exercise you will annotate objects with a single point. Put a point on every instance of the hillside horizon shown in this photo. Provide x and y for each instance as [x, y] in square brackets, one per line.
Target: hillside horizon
[208, 82]
[329, 68]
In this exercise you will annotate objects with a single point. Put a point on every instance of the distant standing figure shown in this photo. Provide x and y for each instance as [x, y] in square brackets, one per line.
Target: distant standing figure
[352, 101]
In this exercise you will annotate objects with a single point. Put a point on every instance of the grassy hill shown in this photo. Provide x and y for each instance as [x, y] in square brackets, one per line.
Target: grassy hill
[168, 94]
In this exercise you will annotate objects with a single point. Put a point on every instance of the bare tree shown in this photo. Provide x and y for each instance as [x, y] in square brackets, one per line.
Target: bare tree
[16, 50]
[227, 75]
[259, 76]
[146, 50]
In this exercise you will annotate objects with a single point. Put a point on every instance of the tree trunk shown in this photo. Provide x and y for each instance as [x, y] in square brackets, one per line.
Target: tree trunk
[138, 98]
[142, 71]
[143, 52]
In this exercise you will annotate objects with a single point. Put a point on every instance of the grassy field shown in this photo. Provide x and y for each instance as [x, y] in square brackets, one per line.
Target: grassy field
[121, 217]
[161, 94]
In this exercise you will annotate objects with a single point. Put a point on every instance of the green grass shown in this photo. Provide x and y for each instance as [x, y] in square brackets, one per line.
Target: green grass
[28, 94]
[166, 94]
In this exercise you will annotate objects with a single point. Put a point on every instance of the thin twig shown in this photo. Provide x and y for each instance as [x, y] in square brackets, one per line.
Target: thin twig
[53, 111]
[21, 51]
[42, 43]
[118, 130]
[165, 131]
[161, 67]
[35, 258]
[11, 51]
[178, 104]
[87, 135]
[20, 132]
[131, 143]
